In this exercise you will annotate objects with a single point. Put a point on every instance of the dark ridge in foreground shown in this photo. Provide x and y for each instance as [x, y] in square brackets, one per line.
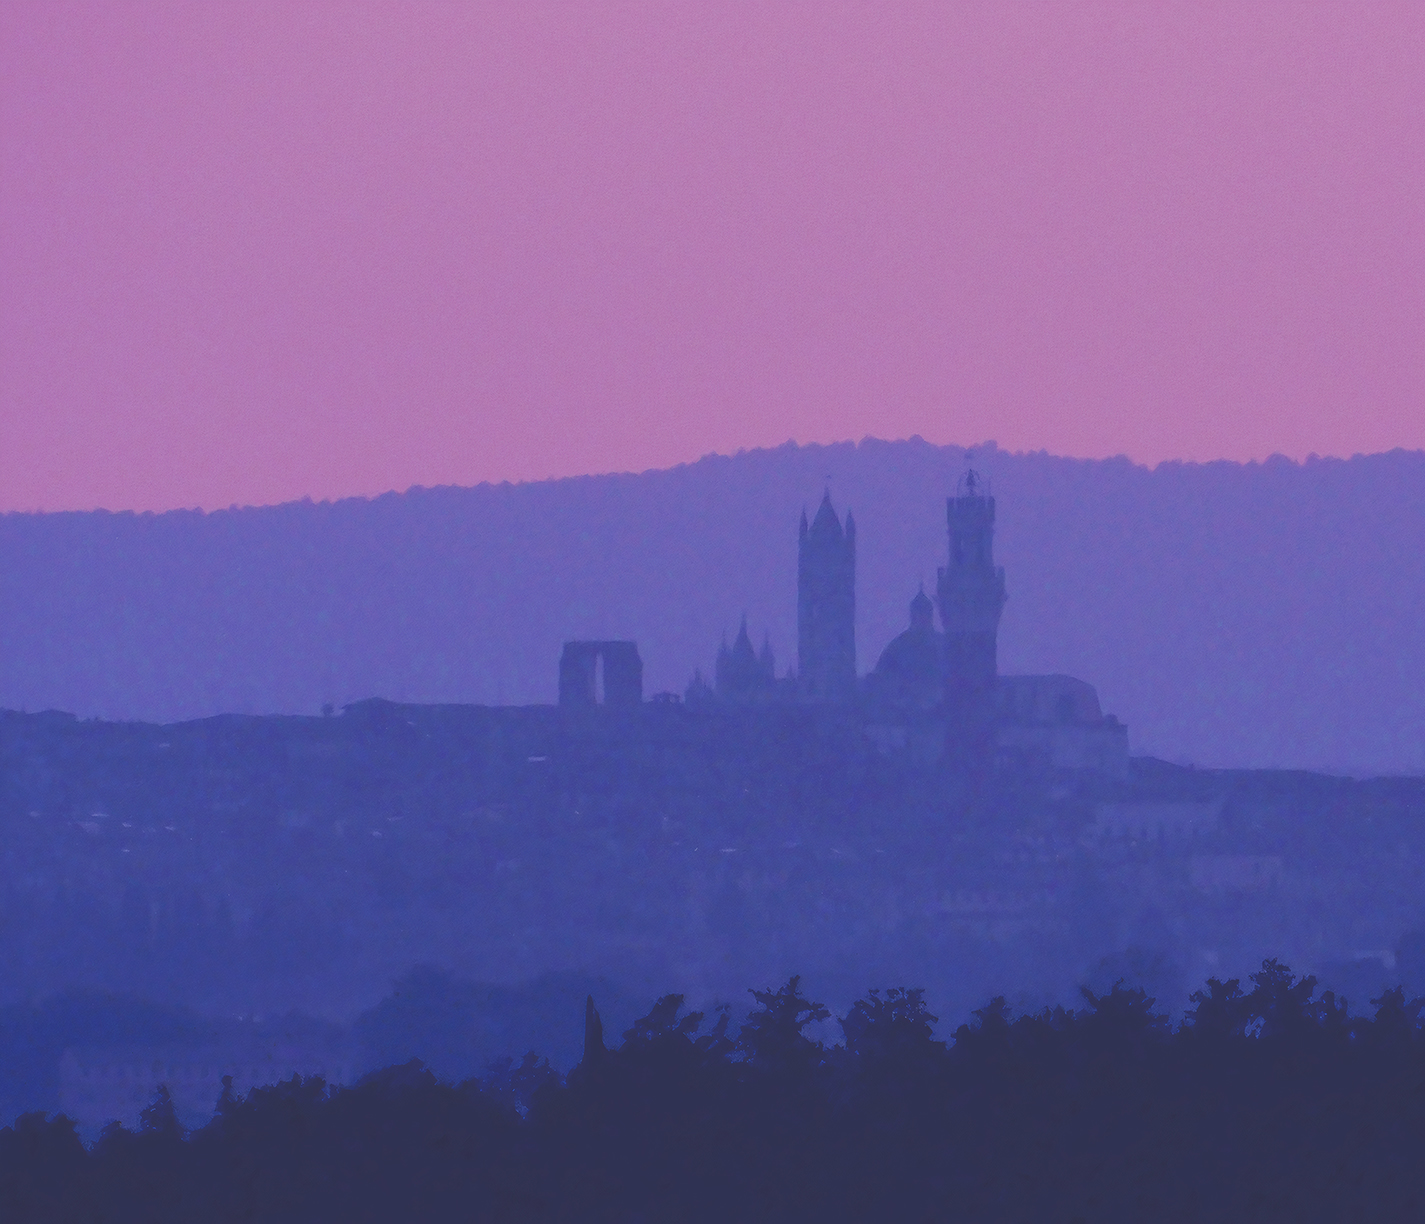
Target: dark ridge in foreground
[1264, 1104]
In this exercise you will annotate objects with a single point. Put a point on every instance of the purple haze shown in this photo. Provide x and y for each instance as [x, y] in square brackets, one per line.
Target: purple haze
[254, 252]
[1257, 614]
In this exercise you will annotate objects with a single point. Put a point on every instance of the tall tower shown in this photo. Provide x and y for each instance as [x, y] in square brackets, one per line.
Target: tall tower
[971, 597]
[826, 606]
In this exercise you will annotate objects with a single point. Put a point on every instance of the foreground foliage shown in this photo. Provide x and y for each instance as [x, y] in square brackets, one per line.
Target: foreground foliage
[1267, 1103]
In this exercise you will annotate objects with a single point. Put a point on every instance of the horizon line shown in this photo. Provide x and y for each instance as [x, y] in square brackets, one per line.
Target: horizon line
[990, 446]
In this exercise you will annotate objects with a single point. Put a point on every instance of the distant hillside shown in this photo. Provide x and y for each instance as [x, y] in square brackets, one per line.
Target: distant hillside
[1257, 614]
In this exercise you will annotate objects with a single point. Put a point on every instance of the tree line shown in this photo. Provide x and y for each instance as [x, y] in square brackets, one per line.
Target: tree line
[1268, 1101]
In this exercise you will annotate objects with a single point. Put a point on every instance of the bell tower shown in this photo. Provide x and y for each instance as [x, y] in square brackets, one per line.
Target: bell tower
[971, 596]
[826, 606]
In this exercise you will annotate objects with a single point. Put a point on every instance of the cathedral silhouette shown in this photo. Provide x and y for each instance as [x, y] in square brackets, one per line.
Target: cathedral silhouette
[935, 695]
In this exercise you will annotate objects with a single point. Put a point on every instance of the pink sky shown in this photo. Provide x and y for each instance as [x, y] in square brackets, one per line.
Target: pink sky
[254, 252]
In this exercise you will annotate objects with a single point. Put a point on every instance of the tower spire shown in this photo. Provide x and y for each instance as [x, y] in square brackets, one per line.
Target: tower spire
[826, 605]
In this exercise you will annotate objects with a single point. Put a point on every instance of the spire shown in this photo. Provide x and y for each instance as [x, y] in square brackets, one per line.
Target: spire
[922, 611]
[740, 672]
[742, 657]
[766, 659]
[826, 522]
[972, 484]
[699, 691]
[803, 530]
[826, 606]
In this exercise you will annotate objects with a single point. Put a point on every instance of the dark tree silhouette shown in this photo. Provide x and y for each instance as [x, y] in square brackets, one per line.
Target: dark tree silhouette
[1219, 1011]
[771, 1038]
[896, 1026]
[1280, 1004]
[517, 1085]
[1123, 1020]
[159, 1118]
[1273, 1104]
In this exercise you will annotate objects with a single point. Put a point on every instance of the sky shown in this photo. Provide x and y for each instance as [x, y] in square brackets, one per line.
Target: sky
[253, 252]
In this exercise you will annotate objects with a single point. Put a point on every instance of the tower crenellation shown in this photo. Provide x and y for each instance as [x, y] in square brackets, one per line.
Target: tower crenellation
[970, 591]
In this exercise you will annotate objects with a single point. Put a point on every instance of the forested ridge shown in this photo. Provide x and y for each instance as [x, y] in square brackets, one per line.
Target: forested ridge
[1268, 1102]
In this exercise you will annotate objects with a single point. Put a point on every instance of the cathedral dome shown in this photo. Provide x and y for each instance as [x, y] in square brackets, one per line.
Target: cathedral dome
[911, 669]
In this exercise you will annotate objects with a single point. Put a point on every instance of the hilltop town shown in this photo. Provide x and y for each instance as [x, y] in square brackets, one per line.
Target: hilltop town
[935, 696]
[929, 819]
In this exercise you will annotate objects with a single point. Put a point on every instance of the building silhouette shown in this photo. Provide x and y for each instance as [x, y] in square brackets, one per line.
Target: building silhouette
[826, 606]
[970, 592]
[742, 673]
[910, 674]
[935, 694]
[579, 674]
